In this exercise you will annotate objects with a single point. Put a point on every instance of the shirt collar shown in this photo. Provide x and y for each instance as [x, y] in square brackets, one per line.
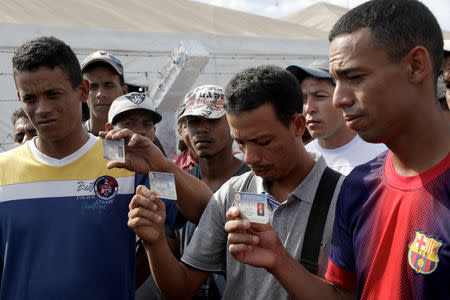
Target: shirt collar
[306, 190]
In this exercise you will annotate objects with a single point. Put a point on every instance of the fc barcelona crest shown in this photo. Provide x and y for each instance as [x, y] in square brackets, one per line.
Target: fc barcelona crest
[423, 253]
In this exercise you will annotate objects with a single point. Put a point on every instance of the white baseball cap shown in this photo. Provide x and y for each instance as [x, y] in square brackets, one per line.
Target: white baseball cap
[204, 101]
[132, 101]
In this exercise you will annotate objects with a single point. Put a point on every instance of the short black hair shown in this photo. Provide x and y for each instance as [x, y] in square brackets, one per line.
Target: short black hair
[48, 52]
[253, 87]
[106, 65]
[397, 26]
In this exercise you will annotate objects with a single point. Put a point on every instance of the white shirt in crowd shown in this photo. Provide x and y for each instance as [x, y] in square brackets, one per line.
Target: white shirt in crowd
[352, 154]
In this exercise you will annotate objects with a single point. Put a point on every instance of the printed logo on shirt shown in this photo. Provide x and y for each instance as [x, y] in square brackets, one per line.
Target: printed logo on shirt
[106, 188]
[423, 253]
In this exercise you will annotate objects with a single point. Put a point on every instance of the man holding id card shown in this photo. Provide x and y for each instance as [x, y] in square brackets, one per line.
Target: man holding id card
[263, 107]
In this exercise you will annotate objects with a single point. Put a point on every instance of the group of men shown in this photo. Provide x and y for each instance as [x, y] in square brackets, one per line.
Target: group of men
[381, 232]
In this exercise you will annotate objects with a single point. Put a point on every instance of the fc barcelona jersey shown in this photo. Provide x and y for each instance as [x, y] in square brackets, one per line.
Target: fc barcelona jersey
[391, 237]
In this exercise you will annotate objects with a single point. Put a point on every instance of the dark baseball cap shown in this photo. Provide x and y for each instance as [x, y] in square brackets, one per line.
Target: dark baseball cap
[318, 69]
[103, 57]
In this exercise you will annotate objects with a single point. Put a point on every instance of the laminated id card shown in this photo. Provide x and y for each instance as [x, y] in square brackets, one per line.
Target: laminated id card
[252, 206]
[163, 184]
[113, 150]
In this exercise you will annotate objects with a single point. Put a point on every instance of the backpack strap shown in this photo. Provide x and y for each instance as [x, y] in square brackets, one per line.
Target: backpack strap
[317, 219]
[247, 181]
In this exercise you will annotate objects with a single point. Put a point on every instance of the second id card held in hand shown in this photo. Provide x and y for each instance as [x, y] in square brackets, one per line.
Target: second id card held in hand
[252, 206]
[163, 184]
[114, 150]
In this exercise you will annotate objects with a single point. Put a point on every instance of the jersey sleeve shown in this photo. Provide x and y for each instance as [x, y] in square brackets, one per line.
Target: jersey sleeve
[341, 262]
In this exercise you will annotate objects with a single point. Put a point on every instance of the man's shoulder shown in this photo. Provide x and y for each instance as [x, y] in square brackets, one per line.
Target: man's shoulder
[234, 184]
[15, 155]
[367, 170]
[362, 180]
[312, 146]
[366, 149]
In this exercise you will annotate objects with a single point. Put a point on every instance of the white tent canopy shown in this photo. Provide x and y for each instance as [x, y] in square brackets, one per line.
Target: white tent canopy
[144, 54]
[149, 15]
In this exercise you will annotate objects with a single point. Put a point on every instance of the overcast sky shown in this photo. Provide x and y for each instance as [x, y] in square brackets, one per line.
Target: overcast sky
[279, 8]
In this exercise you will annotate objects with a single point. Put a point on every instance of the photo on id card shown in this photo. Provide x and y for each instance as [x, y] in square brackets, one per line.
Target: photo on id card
[252, 206]
[113, 150]
[163, 184]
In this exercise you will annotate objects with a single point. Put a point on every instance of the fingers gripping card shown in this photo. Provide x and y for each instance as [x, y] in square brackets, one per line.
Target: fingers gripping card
[114, 150]
[163, 184]
[252, 206]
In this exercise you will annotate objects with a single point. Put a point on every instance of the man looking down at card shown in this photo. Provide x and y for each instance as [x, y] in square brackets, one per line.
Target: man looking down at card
[263, 107]
[391, 235]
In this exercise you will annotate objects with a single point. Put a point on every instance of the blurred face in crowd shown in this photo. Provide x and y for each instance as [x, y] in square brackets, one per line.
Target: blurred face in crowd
[139, 121]
[23, 131]
[51, 103]
[105, 87]
[446, 72]
[323, 119]
[209, 136]
[372, 91]
[265, 141]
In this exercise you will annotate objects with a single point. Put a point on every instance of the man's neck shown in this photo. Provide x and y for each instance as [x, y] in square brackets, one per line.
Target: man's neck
[63, 147]
[339, 139]
[216, 170]
[281, 188]
[96, 125]
[425, 144]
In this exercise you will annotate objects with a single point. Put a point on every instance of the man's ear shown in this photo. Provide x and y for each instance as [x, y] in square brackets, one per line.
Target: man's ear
[419, 64]
[125, 89]
[84, 90]
[108, 127]
[299, 124]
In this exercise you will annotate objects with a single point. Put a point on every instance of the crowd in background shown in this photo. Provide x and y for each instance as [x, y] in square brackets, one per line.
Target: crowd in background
[351, 153]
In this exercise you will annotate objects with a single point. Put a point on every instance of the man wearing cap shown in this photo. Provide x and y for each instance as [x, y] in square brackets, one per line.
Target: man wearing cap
[208, 130]
[341, 147]
[187, 159]
[106, 82]
[135, 112]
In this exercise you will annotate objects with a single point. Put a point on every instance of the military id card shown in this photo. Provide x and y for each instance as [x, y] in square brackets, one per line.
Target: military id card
[113, 150]
[163, 184]
[252, 206]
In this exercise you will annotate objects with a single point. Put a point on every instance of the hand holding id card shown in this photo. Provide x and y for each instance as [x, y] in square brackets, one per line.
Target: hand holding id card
[163, 184]
[113, 150]
[252, 206]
